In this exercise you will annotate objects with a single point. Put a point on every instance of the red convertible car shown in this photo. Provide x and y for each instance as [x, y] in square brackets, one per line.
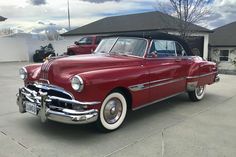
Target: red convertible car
[125, 73]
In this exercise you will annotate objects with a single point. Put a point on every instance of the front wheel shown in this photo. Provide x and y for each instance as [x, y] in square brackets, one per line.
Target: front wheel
[197, 94]
[112, 112]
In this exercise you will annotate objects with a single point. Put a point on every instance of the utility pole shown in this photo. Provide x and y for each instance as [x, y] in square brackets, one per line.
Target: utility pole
[68, 9]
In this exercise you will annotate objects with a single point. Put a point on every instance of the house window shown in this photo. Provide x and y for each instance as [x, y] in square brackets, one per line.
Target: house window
[224, 55]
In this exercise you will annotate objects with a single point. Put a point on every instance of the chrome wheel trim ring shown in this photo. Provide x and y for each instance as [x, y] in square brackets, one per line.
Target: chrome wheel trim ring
[123, 114]
[112, 110]
[200, 91]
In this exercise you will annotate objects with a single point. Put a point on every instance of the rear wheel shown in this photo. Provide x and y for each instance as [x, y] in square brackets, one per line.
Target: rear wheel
[112, 112]
[197, 94]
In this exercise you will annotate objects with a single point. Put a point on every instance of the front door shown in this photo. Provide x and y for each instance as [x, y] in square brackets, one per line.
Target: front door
[166, 70]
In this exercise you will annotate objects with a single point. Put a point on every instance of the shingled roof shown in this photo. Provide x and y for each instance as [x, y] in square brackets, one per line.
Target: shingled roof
[224, 36]
[149, 21]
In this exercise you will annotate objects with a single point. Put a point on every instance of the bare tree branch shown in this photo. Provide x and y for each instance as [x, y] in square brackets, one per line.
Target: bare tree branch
[187, 11]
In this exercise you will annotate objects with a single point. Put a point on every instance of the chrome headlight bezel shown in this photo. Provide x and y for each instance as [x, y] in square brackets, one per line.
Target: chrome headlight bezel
[77, 83]
[23, 73]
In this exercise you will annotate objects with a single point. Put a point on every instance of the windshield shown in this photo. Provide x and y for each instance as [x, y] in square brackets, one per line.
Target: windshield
[105, 45]
[123, 46]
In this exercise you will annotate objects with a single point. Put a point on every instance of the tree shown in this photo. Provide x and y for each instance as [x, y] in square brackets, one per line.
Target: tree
[187, 11]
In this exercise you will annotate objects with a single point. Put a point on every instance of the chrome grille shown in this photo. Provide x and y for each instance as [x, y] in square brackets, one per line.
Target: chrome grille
[53, 91]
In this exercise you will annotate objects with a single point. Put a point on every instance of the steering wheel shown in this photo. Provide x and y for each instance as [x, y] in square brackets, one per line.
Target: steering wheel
[153, 54]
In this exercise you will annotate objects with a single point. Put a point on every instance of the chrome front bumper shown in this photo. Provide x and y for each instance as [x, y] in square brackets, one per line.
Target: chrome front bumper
[47, 111]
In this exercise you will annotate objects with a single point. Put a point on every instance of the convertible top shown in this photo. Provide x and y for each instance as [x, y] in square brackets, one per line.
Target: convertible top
[156, 35]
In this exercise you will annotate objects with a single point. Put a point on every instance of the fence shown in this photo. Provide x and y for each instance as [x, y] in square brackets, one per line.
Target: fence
[22, 49]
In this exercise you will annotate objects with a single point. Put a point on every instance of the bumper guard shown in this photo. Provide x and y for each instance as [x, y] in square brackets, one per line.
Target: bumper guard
[63, 115]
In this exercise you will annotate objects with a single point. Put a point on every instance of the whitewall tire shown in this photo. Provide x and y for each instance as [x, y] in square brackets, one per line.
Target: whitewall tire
[113, 112]
[197, 94]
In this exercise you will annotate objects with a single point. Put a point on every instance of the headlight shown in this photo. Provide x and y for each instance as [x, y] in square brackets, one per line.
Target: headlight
[23, 73]
[77, 83]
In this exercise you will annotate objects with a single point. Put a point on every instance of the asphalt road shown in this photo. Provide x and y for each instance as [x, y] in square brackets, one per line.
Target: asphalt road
[175, 127]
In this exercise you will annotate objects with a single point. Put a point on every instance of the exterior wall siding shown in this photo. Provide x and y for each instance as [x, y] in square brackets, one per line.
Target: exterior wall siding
[223, 65]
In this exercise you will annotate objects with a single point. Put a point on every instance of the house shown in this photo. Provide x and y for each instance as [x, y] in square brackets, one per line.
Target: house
[144, 22]
[222, 47]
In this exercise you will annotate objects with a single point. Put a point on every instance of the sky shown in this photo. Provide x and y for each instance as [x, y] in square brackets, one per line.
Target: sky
[36, 15]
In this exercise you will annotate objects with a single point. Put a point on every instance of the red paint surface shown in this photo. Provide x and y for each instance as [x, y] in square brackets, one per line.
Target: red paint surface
[103, 73]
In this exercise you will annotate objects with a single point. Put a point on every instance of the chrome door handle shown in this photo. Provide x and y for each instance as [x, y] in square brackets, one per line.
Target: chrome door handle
[178, 60]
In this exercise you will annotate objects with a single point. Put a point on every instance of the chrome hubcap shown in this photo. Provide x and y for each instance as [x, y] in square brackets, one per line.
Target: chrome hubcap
[200, 90]
[112, 111]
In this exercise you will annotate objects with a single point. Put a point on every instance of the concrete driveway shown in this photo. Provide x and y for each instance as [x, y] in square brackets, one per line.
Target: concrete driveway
[175, 127]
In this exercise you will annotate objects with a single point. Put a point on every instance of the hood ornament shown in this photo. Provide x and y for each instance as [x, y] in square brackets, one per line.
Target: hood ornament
[48, 58]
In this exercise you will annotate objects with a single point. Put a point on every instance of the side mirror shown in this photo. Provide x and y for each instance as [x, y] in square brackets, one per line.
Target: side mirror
[76, 43]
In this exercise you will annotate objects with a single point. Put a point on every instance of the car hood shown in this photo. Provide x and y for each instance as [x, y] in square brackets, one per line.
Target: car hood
[66, 67]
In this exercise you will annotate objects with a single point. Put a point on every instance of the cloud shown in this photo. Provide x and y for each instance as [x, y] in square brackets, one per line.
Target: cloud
[41, 26]
[100, 1]
[30, 17]
[38, 2]
[223, 12]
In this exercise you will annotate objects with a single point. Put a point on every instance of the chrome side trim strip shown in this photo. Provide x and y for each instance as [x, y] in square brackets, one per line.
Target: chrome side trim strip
[136, 87]
[142, 86]
[197, 76]
[168, 82]
[156, 81]
[156, 101]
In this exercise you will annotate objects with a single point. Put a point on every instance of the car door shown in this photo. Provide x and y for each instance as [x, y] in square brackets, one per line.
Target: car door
[166, 70]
